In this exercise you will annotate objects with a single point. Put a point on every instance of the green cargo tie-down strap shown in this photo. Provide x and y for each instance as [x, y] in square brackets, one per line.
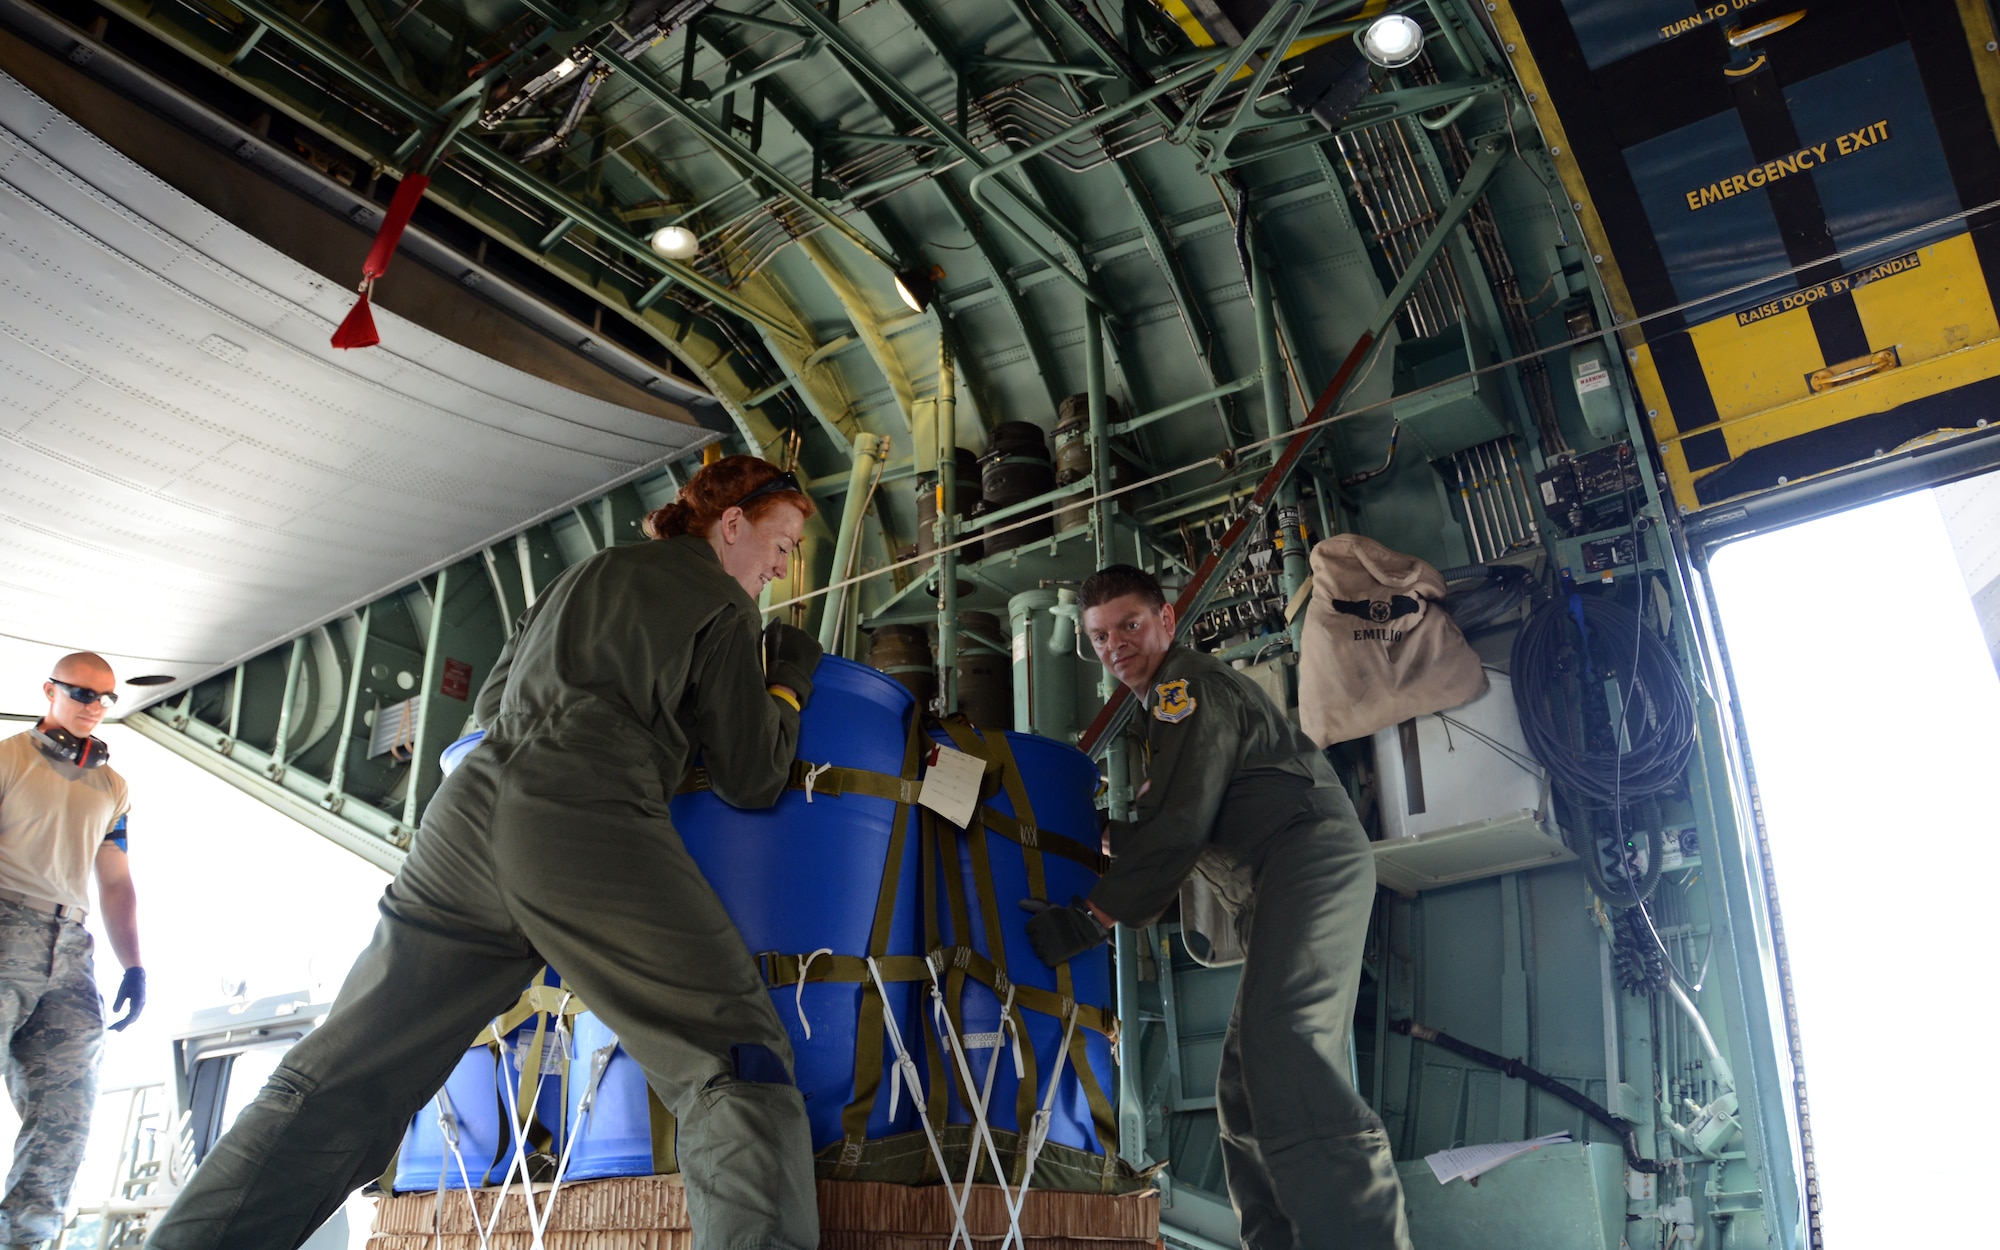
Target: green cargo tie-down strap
[991, 969]
[955, 964]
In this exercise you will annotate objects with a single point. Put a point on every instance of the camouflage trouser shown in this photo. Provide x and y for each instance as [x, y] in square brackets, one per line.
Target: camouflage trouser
[53, 1021]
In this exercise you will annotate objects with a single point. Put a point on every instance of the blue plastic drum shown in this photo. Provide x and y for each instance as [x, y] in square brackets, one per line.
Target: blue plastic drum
[1061, 784]
[615, 1137]
[805, 875]
[479, 1106]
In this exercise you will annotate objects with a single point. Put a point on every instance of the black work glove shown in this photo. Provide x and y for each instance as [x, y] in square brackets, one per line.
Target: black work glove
[130, 990]
[1060, 934]
[790, 656]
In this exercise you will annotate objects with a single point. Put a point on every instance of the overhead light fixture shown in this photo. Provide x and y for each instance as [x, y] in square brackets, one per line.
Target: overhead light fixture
[1392, 41]
[917, 285]
[674, 242]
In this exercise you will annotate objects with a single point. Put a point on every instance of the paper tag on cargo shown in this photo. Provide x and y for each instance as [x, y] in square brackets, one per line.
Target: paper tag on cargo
[951, 784]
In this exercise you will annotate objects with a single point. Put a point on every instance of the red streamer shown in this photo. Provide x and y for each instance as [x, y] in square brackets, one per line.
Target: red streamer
[358, 328]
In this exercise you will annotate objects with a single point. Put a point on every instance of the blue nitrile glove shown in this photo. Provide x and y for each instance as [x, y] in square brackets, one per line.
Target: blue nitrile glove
[130, 990]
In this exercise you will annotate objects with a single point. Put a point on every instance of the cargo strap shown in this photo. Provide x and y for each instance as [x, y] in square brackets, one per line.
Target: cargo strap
[538, 1217]
[868, 1031]
[1033, 840]
[780, 971]
[830, 781]
[981, 1104]
[541, 1003]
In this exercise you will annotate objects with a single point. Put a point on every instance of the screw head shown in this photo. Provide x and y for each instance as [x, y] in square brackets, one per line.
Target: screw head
[1597, 260]
[1555, 151]
[1510, 49]
[1652, 412]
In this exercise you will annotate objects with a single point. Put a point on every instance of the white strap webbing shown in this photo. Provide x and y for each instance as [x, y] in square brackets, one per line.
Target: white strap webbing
[906, 1068]
[805, 966]
[982, 1131]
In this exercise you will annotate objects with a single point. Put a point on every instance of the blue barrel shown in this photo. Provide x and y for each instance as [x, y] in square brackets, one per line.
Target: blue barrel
[615, 1137]
[480, 1107]
[451, 756]
[1061, 784]
[805, 875]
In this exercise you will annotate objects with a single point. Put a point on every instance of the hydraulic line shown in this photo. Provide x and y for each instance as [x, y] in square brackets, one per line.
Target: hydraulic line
[1547, 1084]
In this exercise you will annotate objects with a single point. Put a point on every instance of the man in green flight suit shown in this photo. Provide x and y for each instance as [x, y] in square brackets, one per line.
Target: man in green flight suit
[1235, 791]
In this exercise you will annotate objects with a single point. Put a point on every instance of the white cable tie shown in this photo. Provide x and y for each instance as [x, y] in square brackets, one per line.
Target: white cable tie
[805, 965]
[812, 777]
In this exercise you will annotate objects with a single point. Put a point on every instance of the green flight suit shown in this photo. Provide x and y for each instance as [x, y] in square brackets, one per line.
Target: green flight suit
[552, 843]
[1235, 789]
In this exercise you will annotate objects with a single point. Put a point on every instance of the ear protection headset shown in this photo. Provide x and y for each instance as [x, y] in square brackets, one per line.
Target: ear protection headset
[61, 745]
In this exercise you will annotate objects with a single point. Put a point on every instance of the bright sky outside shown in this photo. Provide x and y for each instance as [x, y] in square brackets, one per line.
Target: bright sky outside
[1872, 705]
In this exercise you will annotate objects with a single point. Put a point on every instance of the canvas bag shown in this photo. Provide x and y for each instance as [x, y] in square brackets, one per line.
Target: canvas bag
[1378, 647]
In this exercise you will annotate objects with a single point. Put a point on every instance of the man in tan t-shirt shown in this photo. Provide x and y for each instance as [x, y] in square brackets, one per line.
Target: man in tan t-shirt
[62, 815]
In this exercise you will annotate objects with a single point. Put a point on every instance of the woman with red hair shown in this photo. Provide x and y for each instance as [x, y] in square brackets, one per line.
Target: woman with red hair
[551, 843]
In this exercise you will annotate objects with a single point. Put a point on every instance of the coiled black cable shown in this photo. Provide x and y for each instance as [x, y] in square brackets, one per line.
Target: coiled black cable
[1657, 713]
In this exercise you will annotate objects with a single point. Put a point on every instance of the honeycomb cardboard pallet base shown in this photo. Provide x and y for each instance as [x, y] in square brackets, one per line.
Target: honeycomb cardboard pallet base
[650, 1213]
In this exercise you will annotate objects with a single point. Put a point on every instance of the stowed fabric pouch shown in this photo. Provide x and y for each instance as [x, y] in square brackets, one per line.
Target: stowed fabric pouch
[1378, 648]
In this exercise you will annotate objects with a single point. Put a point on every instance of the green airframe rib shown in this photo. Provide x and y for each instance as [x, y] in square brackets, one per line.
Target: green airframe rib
[417, 654]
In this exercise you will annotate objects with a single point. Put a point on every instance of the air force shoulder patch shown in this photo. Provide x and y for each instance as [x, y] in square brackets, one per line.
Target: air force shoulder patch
[1173, 702]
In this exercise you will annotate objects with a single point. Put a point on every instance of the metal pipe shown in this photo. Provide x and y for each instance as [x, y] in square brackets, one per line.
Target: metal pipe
[755, 23]
[1277, 417]
[285, 709]
[848, 539]
[1096, 121]
[1521, 483]
[1145, 419]
[1498, 473]
[727, 144]
[431, 657]
[891, 84]
[947, 560]
[1014, 510]
[804, 52]
[1496, 538]
[1465, 502]
[1100, 436]
[235, 702]
[1716, 1062]
[356, 663]
[1038, 67]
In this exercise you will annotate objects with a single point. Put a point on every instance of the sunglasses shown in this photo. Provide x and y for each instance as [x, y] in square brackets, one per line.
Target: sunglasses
[84, 694]
[782, 483]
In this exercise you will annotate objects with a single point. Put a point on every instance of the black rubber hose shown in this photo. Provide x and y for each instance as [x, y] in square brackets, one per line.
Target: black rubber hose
[1658, 713]
[1547, 1084]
